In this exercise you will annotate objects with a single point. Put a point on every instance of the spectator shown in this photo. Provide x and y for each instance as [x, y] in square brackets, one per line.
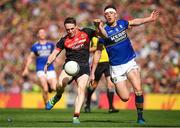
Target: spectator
[20, 20]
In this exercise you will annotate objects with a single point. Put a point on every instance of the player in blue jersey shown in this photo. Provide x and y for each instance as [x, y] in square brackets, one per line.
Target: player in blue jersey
[122, 56]
[40, 51]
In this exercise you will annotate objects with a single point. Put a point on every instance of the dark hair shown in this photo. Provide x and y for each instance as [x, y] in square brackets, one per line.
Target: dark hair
[70, 20]
[110, 6]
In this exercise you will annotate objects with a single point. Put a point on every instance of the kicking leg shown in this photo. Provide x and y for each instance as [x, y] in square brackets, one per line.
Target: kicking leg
[63, 81]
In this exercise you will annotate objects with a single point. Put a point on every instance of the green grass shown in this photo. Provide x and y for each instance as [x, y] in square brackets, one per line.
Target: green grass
[98, 118]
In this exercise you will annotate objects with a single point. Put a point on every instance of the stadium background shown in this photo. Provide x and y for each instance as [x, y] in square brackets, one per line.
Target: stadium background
[157, 47]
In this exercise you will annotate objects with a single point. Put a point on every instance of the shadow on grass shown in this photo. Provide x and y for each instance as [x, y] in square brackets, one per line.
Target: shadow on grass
[59, 121]
[100, 121]
[100, 113]
[86, 121]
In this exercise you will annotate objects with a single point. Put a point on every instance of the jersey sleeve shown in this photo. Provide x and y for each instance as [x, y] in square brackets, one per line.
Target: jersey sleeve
[94, 41]
[124, 23]
[33, 49]
[91, 33]
[60, 43]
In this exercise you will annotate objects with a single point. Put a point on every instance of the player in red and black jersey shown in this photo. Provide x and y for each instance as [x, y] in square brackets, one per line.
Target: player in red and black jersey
[76, 43]
[77, 48]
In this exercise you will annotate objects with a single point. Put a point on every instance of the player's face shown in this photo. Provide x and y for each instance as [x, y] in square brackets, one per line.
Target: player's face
[71, 29]
[110, 17]
[42, 34]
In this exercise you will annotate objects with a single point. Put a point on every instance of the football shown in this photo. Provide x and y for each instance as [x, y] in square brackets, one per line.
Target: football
[71, 68]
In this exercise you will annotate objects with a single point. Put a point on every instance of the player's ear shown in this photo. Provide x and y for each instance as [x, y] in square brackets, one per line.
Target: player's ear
[116, 16]
[77, 27]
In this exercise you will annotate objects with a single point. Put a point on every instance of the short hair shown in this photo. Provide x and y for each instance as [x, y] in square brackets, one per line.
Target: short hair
[70, 20]
[110, 6]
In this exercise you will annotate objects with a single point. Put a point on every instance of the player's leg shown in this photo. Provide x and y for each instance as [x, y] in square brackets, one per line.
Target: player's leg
[135, 79]
[110, 94]
[44, 85]
[110, 87]
[122, 90]
[52, 80]
[119, 78]
[82, 82]
[64, 79]
[91, 88]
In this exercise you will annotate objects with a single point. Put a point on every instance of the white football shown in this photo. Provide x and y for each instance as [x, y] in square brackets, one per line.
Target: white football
[72, 68]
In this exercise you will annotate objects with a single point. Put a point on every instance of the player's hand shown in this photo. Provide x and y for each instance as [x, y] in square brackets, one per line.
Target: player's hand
[92, 77]
[100, 28]
[98, 23]
[154, 15]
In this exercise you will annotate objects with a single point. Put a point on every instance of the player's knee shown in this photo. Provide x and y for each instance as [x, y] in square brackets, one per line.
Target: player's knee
[124, 99]
[59, 86]
[65, 81]
[53, 89]
[45, 91]
[44, 88]
[81, 90]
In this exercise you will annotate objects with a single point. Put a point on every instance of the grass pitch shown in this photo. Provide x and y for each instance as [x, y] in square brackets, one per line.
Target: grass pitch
[98, 118]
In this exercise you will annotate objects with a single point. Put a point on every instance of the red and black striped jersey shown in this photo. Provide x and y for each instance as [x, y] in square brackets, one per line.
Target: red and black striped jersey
[77, 47]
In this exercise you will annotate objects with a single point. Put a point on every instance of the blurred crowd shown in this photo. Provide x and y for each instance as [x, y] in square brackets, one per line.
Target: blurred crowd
[157, 44]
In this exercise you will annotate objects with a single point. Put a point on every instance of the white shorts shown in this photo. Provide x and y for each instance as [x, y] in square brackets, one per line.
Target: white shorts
[48, 75]
[119, 72]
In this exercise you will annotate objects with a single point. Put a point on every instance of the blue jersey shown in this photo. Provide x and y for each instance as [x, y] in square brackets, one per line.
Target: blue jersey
[42, 51]
[118, 45]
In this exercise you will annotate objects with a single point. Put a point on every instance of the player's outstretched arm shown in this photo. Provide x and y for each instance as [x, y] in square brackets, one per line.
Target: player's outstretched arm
[51, 58]
[28, 62]
[98, 23]
[138, 21]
